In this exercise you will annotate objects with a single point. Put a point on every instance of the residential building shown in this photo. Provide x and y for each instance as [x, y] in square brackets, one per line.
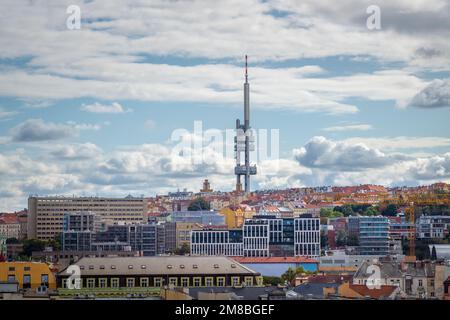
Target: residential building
[9, 226]
[432, 227]
[45, 214]
[29, 275]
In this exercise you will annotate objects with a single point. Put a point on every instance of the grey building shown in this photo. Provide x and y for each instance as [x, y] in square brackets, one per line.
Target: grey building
[373, 235]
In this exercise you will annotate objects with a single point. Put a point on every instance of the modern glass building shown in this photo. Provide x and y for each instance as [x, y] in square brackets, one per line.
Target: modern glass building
[373, 235]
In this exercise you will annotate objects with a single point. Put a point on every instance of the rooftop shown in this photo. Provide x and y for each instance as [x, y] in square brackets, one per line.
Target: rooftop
[161, 265]
[274, 260]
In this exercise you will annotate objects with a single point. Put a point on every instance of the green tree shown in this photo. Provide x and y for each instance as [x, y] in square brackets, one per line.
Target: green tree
[371, 211]
[390, 210]
[273, 281]
[30, 245]
[183, 250]
[199, 204]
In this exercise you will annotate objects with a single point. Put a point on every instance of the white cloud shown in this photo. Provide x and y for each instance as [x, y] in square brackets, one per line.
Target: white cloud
[351, 127]
[35, 130]
[4, 114]
[115, 107]
[320, 152]
[398, 143]
[435, 95]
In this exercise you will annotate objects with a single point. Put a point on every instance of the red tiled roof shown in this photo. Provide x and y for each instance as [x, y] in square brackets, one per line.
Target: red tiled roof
[8, 218]
[274, 260]
[383, 291]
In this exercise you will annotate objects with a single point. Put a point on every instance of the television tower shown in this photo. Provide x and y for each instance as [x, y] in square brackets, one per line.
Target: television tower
[244, 141]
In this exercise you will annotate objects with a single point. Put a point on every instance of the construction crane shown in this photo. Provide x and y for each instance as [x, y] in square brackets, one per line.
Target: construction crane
[409, 215]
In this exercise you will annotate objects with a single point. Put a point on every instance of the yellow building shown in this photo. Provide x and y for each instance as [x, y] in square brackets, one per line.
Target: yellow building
[29, 275]
[183, 232]
[235, 215]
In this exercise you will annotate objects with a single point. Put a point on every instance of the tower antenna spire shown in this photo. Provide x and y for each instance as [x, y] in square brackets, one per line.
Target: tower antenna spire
[246, 70]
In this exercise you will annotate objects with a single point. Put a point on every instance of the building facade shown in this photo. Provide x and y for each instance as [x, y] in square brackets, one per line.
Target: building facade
[45, 214]
[176, 271]
[373, 235]
[432, 227]
[261, 236]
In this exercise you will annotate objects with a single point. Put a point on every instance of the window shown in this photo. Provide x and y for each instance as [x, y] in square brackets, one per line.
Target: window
[44, 280]
[130, 266]
[143, 267]
[209, 282]
[27, 281]
[130, 282]
[195, 266]
[260, 281]
[113, 267]
[144, 282]
[11, 269]
[11, 278]
[91, 267]
[185, 282]
[90, 283]
[249, 281]
[197, 282]
[220, 281]
[102, 267]
[158, 282]
[102, 282]
[26, 268]
[420, 283]
[234, 281]
[173, 281]
[114, 282]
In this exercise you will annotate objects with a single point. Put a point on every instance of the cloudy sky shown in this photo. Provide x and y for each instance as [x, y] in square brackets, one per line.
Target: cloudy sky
[93, 111]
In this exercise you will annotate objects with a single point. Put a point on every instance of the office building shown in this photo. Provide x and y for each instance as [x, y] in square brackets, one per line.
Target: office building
[373, 235]
[204, 217]
[261, 236]
[217, 242]
[45, 214]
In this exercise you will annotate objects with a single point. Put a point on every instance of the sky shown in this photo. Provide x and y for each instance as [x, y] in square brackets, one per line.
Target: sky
[97, 110]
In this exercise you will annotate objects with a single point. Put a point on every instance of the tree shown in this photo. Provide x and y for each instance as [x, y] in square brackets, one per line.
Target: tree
[183, 250]
[371, 211]
[31, 245]
[273, 281]
[352, 241]
[346, 209]
[289, 276]
[12, 241]
[390, 210]
[433, 254]
[330, 213]
[199, 204]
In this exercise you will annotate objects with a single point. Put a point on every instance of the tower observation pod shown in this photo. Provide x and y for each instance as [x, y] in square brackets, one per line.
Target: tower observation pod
[244, 141]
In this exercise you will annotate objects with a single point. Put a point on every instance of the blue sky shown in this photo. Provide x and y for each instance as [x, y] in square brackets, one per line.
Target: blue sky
[92, 111]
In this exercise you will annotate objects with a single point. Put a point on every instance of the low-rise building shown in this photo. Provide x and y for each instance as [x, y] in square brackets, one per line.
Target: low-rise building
[175, 271]
[29, 275]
